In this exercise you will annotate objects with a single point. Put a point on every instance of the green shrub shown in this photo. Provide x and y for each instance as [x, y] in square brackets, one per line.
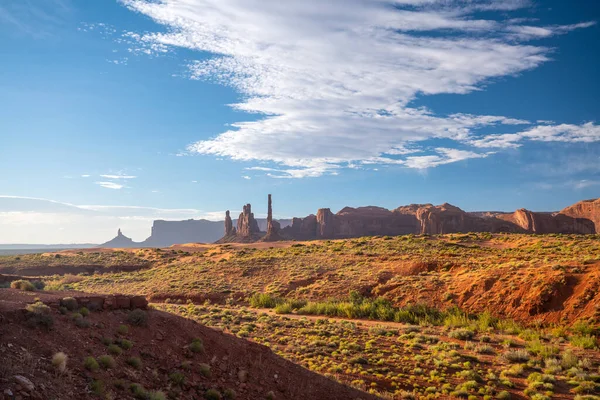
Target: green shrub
[229, 394]
[516, 356]
[138, 317]
[115, 350]
[138, 391]
[503, 395]
[157, 396]
[177, 378]
[84, 311]
[123, 329]
[125, 344]
[587, 342]
[106, 362]
[204, 370]
[134, 362]
[39, 315]
[91, 364]
[212, 394]
[39, 285]
[462, 334]
[97, 387]
[264, 300]
[197, 346]
[22, 284]
[69, 303]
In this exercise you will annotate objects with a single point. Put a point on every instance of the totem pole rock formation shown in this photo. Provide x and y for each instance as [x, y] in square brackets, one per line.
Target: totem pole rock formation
[246, 224]
[229, 229]
[273, 227]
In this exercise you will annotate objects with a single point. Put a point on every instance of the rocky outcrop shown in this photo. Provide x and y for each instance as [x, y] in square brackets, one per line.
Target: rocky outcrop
[586, 209]
[229, 229]
[246, 224]
[536, 222]
[442, 219]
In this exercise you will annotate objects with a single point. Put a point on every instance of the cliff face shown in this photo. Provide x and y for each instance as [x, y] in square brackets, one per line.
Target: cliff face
[587, 209]
[433, 220]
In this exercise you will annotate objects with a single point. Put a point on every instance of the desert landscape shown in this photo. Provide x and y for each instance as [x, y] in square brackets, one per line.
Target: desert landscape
[468, 315]
[299, 200]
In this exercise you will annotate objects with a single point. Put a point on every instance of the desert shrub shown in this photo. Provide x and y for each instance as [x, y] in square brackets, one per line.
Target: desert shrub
[84, 311]
[568, 359]
[106, 362]
[97, 387]
[462, 334]
[503, 395]
[197, 346]
[59, 362]
[516, 356]
[204, 370]
[157, 396]
[283, 308]
[115, 350]
[212, 394]
[587, 342]
[125, 344]
[582, 328]
[177, 378]
[123, 330]
[91, 364]
[270, 395]
[69, 303]
[39, 315]
[264, 300]
[138, 317]
[544, 350]
[80, 321]
[134, 362]
[229, 394]
[138, 391]
[39, 285]
[22, 284]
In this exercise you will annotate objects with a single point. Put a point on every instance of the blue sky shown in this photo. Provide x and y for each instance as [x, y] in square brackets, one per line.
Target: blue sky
[114, 113]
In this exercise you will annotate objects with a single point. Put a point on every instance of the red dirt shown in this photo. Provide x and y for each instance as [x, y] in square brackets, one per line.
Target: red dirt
[162, 346]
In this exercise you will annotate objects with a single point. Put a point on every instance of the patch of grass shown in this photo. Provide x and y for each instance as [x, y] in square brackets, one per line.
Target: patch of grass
[205, 370]
[264, 300]
[123, 330]
[516, 356]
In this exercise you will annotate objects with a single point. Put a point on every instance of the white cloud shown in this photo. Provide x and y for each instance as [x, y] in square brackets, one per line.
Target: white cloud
[110, 185]
[118, 176]
[526, 32]
[85, 176]
[334, 80]
[246, 177]
[567, 133]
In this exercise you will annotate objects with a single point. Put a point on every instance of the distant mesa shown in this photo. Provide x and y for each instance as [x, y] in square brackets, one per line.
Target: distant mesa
[580, 218]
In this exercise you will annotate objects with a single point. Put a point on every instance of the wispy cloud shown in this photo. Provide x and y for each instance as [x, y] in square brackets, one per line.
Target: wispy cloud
[85, 176]
[334, 80]
[566, 133]
[110, 185]
[118, 176]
